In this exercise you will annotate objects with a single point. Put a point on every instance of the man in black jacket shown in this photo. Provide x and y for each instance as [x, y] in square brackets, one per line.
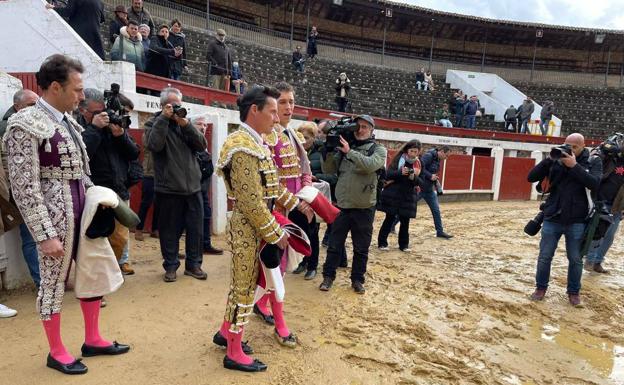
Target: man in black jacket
[429, 174]
[219, 61]
[110, 149]
[85, 17]
[173, 142]
[571, 178]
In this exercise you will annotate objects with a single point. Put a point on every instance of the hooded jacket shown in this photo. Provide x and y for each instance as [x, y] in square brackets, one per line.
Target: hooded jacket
[129, 50]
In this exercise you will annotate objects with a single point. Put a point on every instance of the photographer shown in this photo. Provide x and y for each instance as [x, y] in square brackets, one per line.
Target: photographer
[430, 184]
[110, 151]
[570, 171]
[356, 164]
[611, 193]
[173, 141]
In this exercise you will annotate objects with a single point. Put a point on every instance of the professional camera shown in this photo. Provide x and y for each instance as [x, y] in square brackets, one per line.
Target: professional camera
[534, 225]
[613, 146]
[114, 108]
[345, 127]
[556, 152]
[180, 111]
[438, 188]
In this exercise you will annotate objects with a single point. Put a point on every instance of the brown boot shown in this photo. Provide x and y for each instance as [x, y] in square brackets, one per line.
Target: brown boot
[154, 234]
[575, 300]
[138, 235]
[538, 294]
[126, 269]
[589, 266]
[599, 269]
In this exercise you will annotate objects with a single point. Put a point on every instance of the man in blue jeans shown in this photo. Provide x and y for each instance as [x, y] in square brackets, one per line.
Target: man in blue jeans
[29, 249]
[430, 166]
[571, 172]
[611, 192]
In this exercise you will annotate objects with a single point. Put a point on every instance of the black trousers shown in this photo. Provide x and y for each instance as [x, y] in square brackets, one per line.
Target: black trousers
[147, 198]
[311, 229]
[206, 234]
[179, 213]
[360, 223]
[512, 123]
[386, 226]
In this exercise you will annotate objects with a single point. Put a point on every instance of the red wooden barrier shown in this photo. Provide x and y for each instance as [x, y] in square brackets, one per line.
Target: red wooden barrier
[514, 185]
[457, 174]
[483, 173]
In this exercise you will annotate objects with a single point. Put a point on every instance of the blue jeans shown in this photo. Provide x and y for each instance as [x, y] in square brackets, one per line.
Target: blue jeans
[31, 256]
[544, 124]
[574, 236]
[206, 221]
[524, 127]
[598, 249]
[471, 121]
[431, 197]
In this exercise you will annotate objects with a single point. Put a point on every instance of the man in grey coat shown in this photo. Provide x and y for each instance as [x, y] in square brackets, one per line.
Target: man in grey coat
[546, 116]
[510, 118]
[525, 114]
[173, 141]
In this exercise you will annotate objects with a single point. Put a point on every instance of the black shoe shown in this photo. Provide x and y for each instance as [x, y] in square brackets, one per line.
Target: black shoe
[170, 276]
[212, 250]
[344, 264]
[309, 275]
[358, 287]
[267, 318]
[196, 273]
[327, 284]
[255, 366]
[444, 235]
[300, 269]
[219, 340]
[75, 367]
[112, 350]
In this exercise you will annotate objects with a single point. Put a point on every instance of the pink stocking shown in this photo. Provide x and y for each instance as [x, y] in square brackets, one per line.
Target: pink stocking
[262, 304]
[53, 332]
[235, 349]
[91, 314]
[278, 313]
[225, 328]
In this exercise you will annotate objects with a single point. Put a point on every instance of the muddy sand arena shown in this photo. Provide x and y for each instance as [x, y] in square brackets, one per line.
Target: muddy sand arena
[448, 312]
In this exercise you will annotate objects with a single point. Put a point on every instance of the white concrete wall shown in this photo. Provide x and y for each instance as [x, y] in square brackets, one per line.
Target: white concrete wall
[494, 93]
[39, 33]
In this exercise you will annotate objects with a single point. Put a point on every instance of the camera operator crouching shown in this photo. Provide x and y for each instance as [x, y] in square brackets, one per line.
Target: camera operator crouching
[572, 174]
[357, 161]
[111, 150]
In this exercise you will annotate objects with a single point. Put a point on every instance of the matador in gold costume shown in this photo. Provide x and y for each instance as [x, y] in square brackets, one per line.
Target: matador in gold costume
[252, 183]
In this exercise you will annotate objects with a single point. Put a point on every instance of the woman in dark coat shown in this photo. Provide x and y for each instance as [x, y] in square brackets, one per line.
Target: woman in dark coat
[161, 54]
[398, 197]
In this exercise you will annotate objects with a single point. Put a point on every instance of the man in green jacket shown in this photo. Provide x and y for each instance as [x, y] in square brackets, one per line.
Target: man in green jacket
[129, 46]
[357, 165]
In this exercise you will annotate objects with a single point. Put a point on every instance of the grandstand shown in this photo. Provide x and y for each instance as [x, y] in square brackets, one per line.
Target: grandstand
[581, 99]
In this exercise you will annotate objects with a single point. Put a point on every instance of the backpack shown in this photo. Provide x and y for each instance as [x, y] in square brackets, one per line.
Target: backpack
[381, 173]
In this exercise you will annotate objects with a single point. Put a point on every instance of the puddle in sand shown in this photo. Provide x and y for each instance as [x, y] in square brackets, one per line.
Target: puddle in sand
[602, 354]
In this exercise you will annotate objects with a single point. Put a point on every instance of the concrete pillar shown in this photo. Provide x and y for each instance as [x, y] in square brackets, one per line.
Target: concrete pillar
[538, 156]
[218, 198]
[498, 154]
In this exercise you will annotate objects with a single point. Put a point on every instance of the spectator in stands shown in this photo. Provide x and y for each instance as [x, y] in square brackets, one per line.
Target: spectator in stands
[177, 178]
[525, 114]
[398, 198]
[443, 116]
[144, 30]
[548, 109]
[312, 49]
[343, 87]
[430, 166]
[451, 103]
[161, 54]
[470, 112]
[420, 80]
[147, 195]
[219, 61]
[178, 40]
[129, 46]
[297, 59]
[120, 20]
[110, 149]
[22, 99]
[85, 17]
[205, 162]
[138, 13]
[510, 118]
[460, 102]
[237, 83]
[429, 83]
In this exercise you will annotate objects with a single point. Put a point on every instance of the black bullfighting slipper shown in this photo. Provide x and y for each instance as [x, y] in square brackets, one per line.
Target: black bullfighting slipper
[255, 366]
[289, 341]
[75, 367]
[219, 340]
[267, 318]
[112, 350]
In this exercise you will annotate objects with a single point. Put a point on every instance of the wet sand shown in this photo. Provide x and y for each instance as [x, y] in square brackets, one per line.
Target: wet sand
[448, 312]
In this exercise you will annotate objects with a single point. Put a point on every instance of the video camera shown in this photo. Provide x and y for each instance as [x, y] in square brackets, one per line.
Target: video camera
[346, 127]
[557, 152]
[115, 109]
[613, 146]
